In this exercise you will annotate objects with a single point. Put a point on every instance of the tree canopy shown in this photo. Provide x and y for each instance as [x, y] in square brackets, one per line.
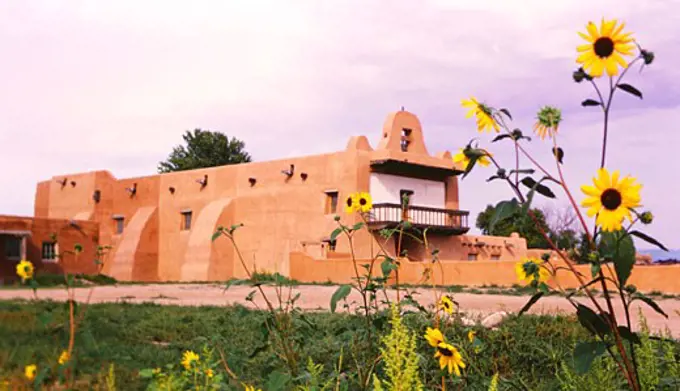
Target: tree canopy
[523, 225]
[204, 148]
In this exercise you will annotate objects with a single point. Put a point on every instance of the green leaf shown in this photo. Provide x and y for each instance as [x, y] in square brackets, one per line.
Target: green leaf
[620, 248]
[530, 303]
[504, 210]
[387, 266]
[277, 381]
[541, 189]
[628, 335]
[501, 137]
[651, 303]
[590, 102]
[585, 353]
[630, 89]
[258, 350]
[506, 112]
[595, 269]
[591, 321]
[251, 296]
[335, 233]
[146, 373]
[527, 171]
[358, 226]
[216, 235]
[341, 293]
[648, 239]
[559, 154]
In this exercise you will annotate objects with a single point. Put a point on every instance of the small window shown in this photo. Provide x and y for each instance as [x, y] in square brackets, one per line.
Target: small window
[13, 247]
[186, 220]
[495, 257]
[472, 257]
[405, 139]
[120, 224]
[405, 197]
[49, 251]
[331, 202]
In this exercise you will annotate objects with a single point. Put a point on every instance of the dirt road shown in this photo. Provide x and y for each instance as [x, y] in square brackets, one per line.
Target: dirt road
[318, 298]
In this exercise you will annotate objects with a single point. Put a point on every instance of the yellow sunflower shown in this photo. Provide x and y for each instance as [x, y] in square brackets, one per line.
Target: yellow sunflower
[188, 358]
[485, 121]
[611, 199]
[532, 269]
[547, 122]
[351, 203]
[30, 371]
[209, 372]
[462, 159]
[247, 387]
[446, 304]
[25, 270]
[471, 336]
[605, 48]
[64, 357]
[434, 337]
[449, 357]
[364, 202]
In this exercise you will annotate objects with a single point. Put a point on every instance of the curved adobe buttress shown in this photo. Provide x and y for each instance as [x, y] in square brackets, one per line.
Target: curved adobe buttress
[136, 256]
[202, 261]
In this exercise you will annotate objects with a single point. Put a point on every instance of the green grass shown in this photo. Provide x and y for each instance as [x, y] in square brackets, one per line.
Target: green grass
[135, 336]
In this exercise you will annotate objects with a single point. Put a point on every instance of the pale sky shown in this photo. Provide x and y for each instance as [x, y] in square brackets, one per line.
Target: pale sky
[89, 85]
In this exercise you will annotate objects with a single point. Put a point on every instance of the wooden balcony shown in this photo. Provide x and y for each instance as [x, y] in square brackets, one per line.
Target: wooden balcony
[442, 221]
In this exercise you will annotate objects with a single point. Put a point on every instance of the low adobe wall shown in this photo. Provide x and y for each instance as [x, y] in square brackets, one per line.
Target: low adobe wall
[471, 273]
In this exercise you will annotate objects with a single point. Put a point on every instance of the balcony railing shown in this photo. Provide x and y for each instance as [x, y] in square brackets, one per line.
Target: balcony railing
[454, 222]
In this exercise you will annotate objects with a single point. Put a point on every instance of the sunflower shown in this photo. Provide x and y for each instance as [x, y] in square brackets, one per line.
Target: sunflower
[64, 357]
[611, 199]
[351, 203]
[605, 48]
[209, 372]
[188, 358]
[485, 121]
[449, 357]
[25, 270]
[462, 159]
[446, 304]
[532, 269]
[30, 371]
[246, 387]
[471, 336]
[547, 122]
[364, 202]
[434, 337]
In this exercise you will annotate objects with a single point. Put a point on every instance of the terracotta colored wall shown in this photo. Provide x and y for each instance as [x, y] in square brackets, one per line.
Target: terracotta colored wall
[473, 273]
[84, 233]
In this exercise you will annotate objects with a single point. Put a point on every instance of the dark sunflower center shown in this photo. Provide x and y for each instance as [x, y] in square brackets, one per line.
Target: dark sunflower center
[349, 201]
[611, 199]
[447, 305]
[604, 47]
[362, 201]
[445, 352]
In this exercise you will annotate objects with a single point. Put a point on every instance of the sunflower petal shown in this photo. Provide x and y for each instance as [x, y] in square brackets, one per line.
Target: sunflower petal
[597, 68]
[592, 30]
[612, 69]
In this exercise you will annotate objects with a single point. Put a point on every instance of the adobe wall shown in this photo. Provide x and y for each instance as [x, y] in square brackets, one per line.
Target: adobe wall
[472, 273]
[84, 233]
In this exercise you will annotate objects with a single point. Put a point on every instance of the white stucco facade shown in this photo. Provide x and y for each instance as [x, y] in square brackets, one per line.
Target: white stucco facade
[386, 188]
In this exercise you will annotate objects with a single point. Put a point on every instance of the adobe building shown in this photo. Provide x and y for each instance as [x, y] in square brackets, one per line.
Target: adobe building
[160, 227]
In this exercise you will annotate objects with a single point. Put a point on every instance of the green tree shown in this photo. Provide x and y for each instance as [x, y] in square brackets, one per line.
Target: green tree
[204, 148]
[523, 225]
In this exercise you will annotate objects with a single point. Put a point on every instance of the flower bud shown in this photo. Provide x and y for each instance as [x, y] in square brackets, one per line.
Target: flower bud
[593, 256]
[646, 217]
[647, 56]
[337, 218]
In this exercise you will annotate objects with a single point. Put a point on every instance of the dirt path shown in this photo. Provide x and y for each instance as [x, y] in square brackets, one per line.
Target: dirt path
[318, 298]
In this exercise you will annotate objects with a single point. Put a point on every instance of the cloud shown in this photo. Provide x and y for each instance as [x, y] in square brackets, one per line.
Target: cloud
[113, 85]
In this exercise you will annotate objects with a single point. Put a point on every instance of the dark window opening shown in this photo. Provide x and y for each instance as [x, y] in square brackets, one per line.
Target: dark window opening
[49, 250]
[405, 139]
[120, 224]
[472, 257]
[13, 247]
[186, 220]
[495, 257]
